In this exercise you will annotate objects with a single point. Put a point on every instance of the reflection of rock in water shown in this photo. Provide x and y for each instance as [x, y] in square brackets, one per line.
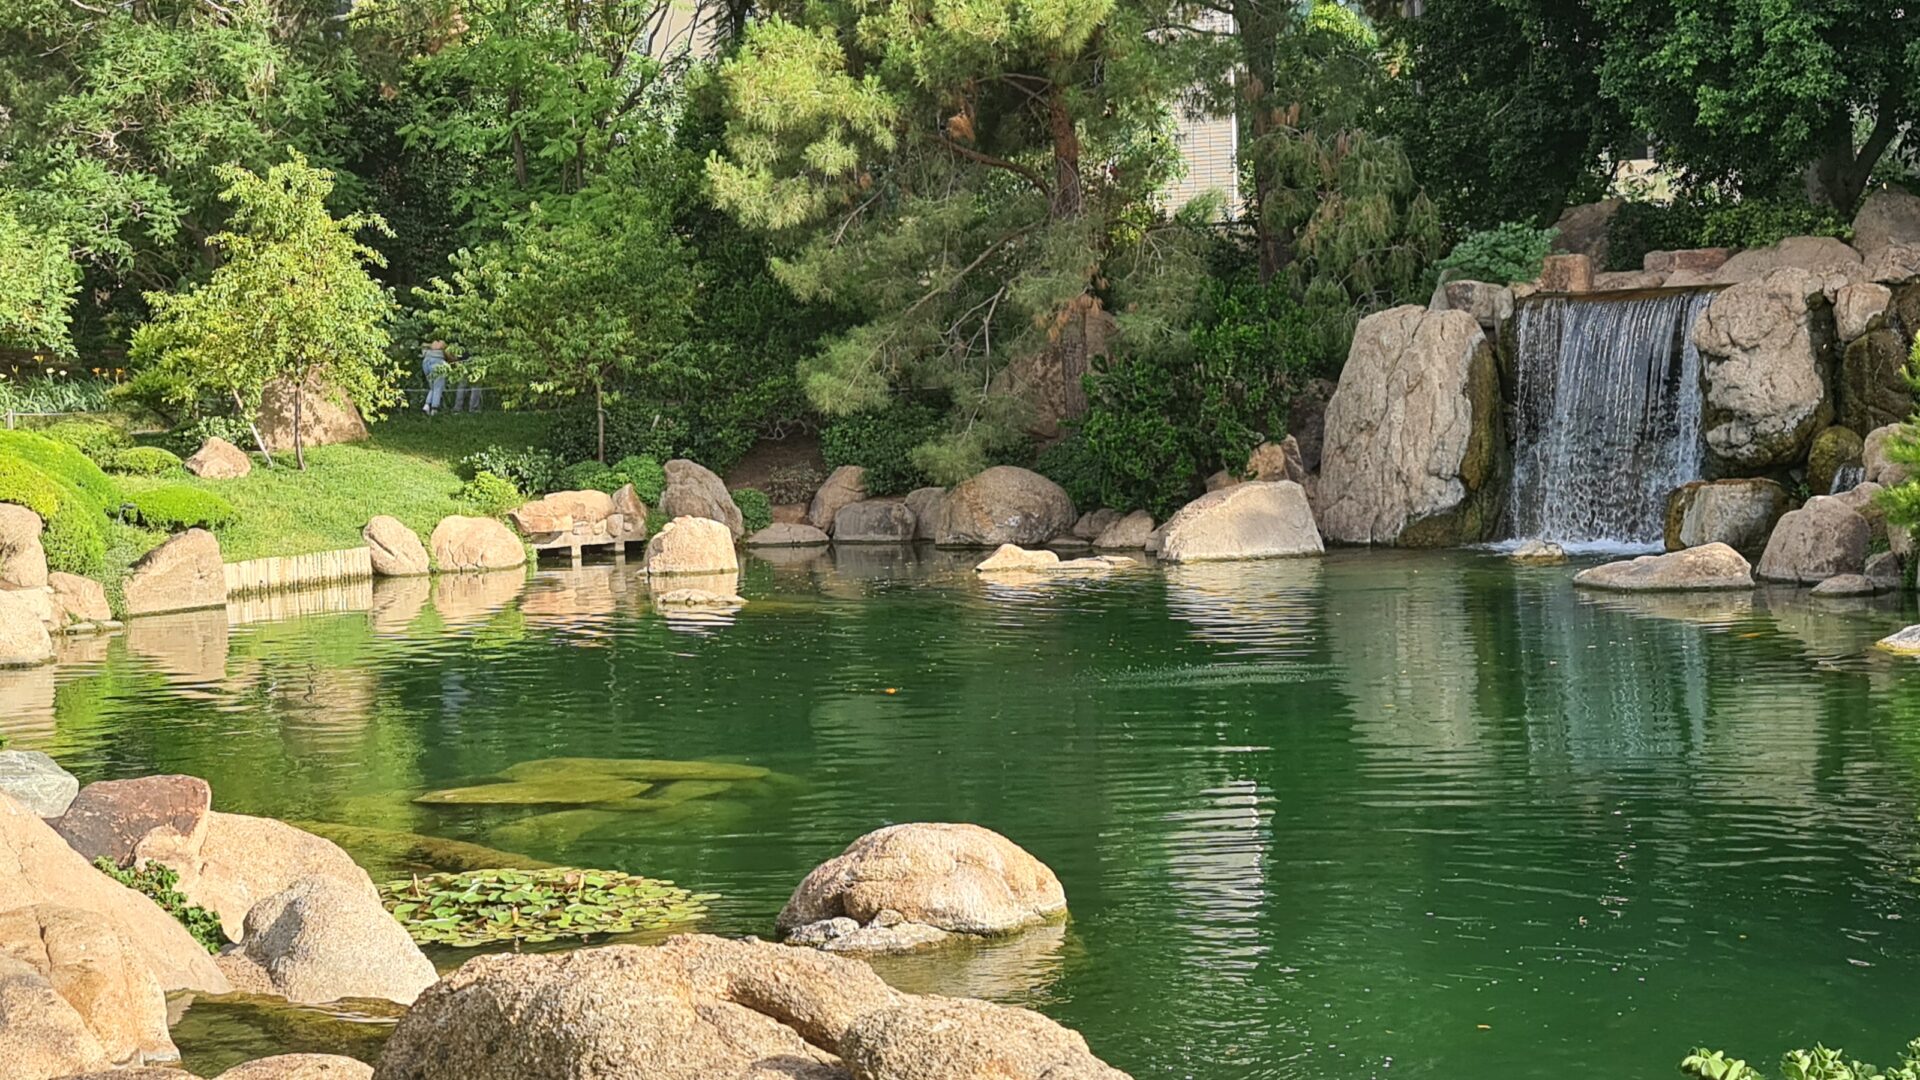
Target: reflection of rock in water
[1019, 969]
[1402, 644]
[696, 619]
[216, 1033]
[1265, 605]
[578, 598]
[322, 709]
[189, 647]
[1829, 628]
[463, 599]
[73, 651]
[397, 602]
[858, 567]
[792, 559]
[1714, 608]
[329, 599]
[26, 705]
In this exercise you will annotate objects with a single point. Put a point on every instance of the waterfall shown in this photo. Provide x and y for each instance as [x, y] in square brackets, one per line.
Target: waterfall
[1606, 417]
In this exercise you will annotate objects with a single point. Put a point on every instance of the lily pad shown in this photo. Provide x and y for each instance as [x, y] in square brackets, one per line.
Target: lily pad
[575, 768]
[487, 907]
[546, 791]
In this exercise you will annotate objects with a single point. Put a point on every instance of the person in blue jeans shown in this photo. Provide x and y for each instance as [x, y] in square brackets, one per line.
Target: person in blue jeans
[433, 364]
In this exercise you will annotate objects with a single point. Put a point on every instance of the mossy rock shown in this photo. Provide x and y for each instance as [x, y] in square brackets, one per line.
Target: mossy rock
[549, 791]
[1873, 390]
[577, 768]
[1485, 467]
[1833, 449]
[394, 851]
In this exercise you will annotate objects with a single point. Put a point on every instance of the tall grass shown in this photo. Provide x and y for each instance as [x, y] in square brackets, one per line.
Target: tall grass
[54, 393]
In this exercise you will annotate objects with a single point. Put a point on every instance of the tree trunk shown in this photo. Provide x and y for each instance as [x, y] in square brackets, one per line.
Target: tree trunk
[600, 420]
[1069, 197]
[240, 407]
[299, 449]
[1838, 177]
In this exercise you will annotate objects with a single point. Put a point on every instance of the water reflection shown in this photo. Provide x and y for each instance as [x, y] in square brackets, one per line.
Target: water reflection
[466, 599]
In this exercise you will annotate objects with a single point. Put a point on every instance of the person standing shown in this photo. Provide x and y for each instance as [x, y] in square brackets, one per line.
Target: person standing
[433, 364]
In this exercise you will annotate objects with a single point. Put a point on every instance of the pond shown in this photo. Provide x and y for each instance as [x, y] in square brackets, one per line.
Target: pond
[1381, 814]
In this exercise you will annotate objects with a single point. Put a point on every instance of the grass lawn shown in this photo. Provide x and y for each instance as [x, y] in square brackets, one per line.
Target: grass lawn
[405, 470]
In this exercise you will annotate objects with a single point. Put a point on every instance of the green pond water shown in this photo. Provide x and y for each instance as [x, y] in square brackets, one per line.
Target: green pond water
[1378, 815]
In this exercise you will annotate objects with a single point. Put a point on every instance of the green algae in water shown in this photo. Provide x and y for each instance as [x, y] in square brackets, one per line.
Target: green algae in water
[490, 907]
[576, 768]
[398, 852]
[547, 791]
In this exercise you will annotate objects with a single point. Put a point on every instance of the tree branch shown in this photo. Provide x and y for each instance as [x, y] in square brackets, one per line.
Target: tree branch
[1029, 175]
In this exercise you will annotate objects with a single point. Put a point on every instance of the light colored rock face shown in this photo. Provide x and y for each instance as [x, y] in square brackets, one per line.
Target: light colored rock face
[1830, 261]
[1737, 513]
[781, 534]
[241, 860]
[1490, 305]
[1708, 567]
[183, 574]
[1872, 388]
[1566, 274]
[932, 1038]
[397, 551]
[1094, 522]
[37, 782]
[1847, 586]
[128, 821]
[1880, 467]
[218, 459]
[1822, 539]
[1860, 307]
[1627, 280]
[78, 599]
[23, 561]
[1886, 219]
[1765, 395]
[322, 939]
[473, 543]
[876, 521]
[24, 641]
[1897, 265]
[300, 1067]
[91, 965]
[697, 598]
[694, 491]
[1412, 439]
[1905, 642]
[41, 1036]
[925, 503]
[958, 878]
[1128, 534]
[692, 545]
[37, 867]
[845, 486]
[1255, 520]
[1003, 505]
[1689, 260]
[1538, 553]
[327, 416]
[696, 1008]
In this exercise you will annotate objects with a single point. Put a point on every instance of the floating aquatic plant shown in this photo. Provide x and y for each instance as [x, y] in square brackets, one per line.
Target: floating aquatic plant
[487, 907]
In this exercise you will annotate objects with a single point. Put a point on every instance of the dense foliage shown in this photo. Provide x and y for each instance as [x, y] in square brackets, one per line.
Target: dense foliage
[161, 884]
[1510, 252]
[177, 508]
[1818, 1063]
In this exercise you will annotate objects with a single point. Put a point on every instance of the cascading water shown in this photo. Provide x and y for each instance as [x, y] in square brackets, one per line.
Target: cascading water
[1607, 417]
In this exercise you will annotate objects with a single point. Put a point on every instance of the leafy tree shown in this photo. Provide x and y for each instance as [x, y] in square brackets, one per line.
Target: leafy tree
[1508, 253]
[293, 300]
[37, 283]
[588, 299]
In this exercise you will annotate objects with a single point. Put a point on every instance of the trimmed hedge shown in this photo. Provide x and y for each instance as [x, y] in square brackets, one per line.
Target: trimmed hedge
[74, 538]
[96, 439]
[144, 461]
[490, 495]
[177, 508]
[63, 463]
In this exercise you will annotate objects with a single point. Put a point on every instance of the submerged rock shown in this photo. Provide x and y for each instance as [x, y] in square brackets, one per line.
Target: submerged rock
[697, 598]
[1011, 559]
[1254, 520]
[1906, 642]
[1538, 553]
[553, 791]
[1710, 566]
[567, 768]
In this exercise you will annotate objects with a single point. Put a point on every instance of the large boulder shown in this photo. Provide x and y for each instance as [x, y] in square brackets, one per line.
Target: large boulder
[475, 543]
[1255, 520]
[925, 503]
[1766, 396]
[1707, 567]
[37, 782]
[1587, 229]
[183, 574]
[241, 860]
[23, 560]
[1879, 464]
[696, 1008]
[322, 939]
[694, 491]
[1873, 390]
[132, 821]
[24, 641]
[953, 878]
[1094, 522]
[1413, 437]
[934, 1038]
[845, 486]
[1128, 534]
[327, 415]
[692, 545]
[37, 867]
[42, 1036]
[396, 549]
[874, 521]
[218, 459]
[1822, 539]
[77, 599]
[300, 1067]
[1859, 308]
[1003, 505]
[92, 966]
[1490, 305]
[1020, 562]
[1566, 274]
[1737, 513]
[1834, 449]
[1886, 219]
[1829, 261]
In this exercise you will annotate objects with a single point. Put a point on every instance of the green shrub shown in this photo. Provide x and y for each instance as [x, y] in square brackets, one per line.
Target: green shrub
[591, 476]
[1707, 219]
[656, 520]
[97, 439]
[882, 442]
[490, 495]
[755, 508]
[160, 883]
[143, 461]
[63, 463]
[74, 538]
[534, 471]
[177, 508]
[1818, 1063]
[1506, 253]
[648, 476]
